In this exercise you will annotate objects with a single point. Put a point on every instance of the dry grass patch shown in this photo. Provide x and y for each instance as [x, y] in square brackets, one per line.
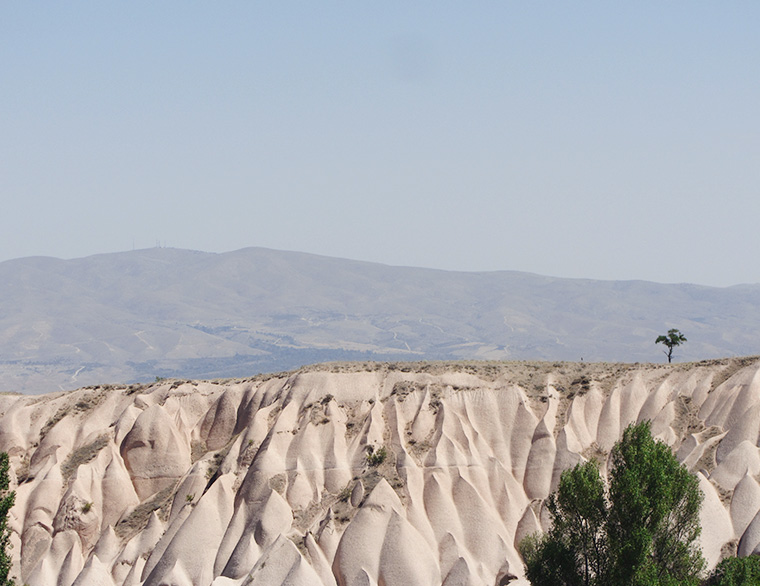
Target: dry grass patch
[22, 471]
[707, 461]
[279, 483]
[138, 518]
[83, 404]
[730, 367]
[82, 455]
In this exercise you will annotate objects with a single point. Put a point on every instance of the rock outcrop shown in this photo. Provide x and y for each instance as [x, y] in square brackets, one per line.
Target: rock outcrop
[354, 474]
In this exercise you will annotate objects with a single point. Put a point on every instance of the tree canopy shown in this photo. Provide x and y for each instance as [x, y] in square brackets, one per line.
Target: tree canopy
[7, 498]
[673, 338]
[736, 572]
[640, 531]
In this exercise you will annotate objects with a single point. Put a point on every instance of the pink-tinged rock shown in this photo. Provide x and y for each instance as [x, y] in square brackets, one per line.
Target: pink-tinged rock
[155, 453]
[745, 502]
[94, 573]
[381, 546]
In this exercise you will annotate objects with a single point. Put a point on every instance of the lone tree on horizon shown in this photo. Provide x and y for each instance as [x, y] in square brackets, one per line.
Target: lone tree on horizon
[671, 340]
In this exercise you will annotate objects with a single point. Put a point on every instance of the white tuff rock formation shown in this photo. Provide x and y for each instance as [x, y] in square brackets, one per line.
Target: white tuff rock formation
[281, 479]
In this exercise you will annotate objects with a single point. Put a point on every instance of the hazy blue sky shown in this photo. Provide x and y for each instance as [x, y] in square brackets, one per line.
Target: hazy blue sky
[580, 139]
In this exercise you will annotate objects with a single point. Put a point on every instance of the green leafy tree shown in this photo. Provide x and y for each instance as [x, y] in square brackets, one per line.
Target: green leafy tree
[671, 340]
[642, 531]
[7, 498]
[736, 572]
[653, 521]
[574, 552]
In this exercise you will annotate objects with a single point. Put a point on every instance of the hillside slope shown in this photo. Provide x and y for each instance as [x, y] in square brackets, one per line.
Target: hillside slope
[132, 316]
[277, 479]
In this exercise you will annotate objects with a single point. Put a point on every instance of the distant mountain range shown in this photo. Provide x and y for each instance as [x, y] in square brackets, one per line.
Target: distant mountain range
[134, 316]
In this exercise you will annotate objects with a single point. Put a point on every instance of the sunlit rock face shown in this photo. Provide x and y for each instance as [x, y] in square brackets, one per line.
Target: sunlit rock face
[354, 474]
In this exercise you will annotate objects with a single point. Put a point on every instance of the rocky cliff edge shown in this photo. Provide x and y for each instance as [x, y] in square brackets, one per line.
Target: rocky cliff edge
[353, 474]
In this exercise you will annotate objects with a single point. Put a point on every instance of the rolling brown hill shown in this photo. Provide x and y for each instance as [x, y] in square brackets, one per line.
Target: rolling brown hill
[133, 316]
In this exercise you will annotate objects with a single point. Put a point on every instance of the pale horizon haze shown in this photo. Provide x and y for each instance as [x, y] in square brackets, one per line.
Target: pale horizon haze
[587, 140]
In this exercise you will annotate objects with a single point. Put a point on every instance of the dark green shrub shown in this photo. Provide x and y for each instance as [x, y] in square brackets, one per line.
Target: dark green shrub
[375, 458]
[641, 532]
[736, 572]
[7, 498]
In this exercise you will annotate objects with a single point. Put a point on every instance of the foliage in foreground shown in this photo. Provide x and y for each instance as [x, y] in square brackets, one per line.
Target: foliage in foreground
[642, 531]
[736, 572]
[7, 499]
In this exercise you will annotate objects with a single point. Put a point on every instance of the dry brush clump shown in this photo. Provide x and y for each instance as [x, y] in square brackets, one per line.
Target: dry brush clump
[83, 455]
